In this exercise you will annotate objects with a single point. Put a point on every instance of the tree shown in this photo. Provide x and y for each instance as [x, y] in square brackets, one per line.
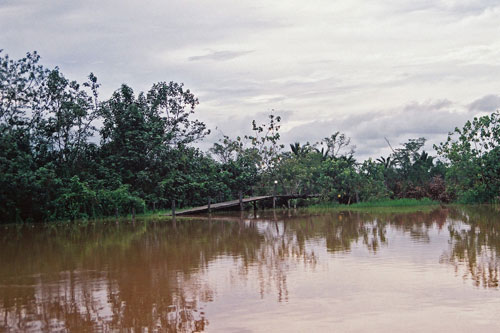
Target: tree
[407, 155]
[51, 169]
[472, 154]
[265, 141]
[298, 173]
[387, 163]
[300, 150]
[338, 145]
[171, 107]
[45, 123]
[142, 135]
[227, 149]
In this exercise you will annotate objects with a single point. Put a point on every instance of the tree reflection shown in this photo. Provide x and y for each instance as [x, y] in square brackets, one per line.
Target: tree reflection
[342, 230]
[134, 276]
[475, 244]
[153, 275]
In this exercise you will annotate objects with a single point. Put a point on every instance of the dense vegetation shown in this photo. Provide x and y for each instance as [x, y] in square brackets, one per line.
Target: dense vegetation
[67, 154]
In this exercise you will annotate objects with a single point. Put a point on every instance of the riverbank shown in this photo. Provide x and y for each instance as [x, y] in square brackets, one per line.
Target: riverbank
[398, 205]
[395, 205]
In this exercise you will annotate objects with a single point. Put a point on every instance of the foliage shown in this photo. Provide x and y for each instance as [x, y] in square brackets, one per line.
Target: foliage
[265, 141]
[119, 201]
[409, 171]
[51, 167]
[250, 162]
[66, 155]
[472, 155]
[46, 122]
[338, 144]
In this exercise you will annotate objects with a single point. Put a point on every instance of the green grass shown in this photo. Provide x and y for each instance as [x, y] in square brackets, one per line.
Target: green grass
[162, 214]
[399, 205]
[396, 203]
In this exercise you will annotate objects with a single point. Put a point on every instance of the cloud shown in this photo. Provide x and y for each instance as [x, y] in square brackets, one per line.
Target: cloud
[347, 65]
[488, 103]
[219, 55]
[368, 130]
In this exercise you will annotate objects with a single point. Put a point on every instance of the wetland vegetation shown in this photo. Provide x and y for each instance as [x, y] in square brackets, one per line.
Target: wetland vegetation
[67, 154]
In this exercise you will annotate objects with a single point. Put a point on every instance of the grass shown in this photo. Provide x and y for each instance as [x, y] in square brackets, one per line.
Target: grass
[397, 203]
[382, 206]
[387, 205]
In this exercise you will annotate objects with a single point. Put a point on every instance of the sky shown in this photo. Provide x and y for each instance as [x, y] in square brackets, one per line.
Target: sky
[397, 69]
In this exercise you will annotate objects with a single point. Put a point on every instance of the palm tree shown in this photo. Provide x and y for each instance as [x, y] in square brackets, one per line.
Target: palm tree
[386, 162]
[424, 159]
[296, 149]
[324, 154]
[299, 150]
[349, 159]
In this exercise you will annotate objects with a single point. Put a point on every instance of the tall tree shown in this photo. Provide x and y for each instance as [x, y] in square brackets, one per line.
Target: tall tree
[472, 154]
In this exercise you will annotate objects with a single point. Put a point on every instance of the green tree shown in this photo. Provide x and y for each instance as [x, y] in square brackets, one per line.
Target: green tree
[473, 154]
[144, 137]
[45, 123]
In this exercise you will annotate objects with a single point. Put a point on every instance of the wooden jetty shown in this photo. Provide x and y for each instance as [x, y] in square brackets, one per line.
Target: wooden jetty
[235, 203]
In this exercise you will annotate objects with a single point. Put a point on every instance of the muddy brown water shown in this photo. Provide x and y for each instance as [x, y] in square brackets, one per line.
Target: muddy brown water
[434, 270]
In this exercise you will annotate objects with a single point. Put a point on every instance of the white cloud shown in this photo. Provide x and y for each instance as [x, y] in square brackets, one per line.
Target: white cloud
[219, 55]
[335, 64]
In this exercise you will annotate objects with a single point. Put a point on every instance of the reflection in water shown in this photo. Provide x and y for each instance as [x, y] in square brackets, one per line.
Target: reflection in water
[163, 274]
[475, 244]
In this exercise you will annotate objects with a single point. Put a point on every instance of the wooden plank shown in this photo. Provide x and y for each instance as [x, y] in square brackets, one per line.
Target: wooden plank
[221, 205]
[239, 202]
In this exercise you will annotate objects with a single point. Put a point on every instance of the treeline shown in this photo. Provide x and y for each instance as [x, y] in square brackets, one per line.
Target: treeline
[67, 154]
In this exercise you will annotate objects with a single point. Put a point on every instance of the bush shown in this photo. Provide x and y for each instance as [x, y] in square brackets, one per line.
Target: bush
[437, 190]
[119, 200]
[76, 202]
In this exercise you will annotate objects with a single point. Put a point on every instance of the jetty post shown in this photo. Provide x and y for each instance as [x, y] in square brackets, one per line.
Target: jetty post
[274, 194]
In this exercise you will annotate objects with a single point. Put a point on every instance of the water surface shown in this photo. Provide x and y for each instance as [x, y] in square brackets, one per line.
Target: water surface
[289, 272]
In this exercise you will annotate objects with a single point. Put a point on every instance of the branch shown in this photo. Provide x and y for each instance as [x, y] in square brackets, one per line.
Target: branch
[389, 145]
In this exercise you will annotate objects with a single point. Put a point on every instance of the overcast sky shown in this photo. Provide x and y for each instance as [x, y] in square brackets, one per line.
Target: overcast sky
[394, 68]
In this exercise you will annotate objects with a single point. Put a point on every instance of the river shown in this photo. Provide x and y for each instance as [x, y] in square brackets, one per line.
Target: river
[287, 271]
